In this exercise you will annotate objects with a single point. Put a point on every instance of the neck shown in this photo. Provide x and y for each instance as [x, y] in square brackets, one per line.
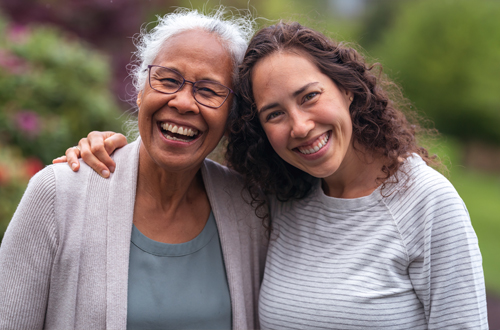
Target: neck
[358, 175]
[165, 189]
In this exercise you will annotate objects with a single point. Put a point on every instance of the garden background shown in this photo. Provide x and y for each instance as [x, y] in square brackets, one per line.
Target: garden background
[63, 74]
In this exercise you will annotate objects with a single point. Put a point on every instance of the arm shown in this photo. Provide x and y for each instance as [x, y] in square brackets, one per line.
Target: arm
[95, 150]
[447, 275]
[26, 256]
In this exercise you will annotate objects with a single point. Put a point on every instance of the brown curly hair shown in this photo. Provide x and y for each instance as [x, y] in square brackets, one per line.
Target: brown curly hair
[378, 123]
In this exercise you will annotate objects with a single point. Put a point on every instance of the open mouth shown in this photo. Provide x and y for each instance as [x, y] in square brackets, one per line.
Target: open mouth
[178, 133]
[315, 146]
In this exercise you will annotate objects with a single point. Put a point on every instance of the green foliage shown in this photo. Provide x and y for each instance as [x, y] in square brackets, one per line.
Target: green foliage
[14, 175]
[445, 53]
[54, 89]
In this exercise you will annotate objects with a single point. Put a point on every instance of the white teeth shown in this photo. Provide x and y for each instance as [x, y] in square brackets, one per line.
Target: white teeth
[179, 130]
[173, 138]
[310, 150]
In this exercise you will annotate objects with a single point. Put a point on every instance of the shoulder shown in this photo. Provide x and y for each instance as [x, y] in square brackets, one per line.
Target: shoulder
[420, 183]
[424, 201]
[128, 153]
[41, 187]
[216, 174]
[55, 177]
[226, 189]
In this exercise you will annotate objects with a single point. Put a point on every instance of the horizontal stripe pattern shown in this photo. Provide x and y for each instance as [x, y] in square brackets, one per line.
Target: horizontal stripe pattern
[406, 258]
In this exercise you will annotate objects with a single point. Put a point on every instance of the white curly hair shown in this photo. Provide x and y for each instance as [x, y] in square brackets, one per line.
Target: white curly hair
[234, 33]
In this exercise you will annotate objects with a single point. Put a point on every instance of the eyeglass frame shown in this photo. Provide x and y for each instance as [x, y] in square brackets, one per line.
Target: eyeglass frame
[184, 81]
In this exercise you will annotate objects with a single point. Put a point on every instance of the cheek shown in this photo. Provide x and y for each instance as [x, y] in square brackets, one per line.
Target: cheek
[278, 137]
[216, 120]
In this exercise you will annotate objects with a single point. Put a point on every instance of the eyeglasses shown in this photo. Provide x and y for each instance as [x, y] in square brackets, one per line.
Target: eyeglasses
[208, 93]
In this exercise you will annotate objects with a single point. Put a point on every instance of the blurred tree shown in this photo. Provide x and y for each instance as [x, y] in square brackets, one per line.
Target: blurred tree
[109, 25]
[379, 16]
[445, 53]
[53, 90]
[106, 24]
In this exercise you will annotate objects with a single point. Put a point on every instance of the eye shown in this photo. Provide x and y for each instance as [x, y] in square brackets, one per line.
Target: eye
[273, 115]
[207, 92]
[309, 96]
[170, 82]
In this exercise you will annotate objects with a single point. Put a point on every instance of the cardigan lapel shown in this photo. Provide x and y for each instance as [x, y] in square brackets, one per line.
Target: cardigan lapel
[119, 220]
[225, 216]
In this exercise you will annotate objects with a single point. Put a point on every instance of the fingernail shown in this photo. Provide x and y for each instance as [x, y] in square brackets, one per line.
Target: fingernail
[112, 169]
[73, 166]
[105, 173]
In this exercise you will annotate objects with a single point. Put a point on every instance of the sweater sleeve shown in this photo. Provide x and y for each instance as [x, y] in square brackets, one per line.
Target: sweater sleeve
[445, 264]
[27, 254]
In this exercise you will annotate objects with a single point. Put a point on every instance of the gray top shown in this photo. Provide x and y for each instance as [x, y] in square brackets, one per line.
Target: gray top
[64, 257]
[409, 260]
[178, 286]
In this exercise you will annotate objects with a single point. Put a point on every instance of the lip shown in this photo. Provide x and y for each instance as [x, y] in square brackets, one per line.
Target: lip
[176, 142]
[318, 154]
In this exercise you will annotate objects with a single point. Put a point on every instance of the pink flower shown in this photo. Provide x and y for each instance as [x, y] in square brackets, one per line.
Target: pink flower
[11, 63]
[18, 33]
[28, 122]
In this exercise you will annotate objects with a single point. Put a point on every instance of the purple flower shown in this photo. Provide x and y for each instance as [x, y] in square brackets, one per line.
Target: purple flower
[28, 122]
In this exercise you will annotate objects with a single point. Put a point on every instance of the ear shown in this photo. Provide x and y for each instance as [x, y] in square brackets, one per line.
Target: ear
[350, 96]
[138, 101]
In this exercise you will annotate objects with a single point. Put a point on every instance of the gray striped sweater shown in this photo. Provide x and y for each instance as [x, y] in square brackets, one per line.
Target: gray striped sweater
[409, 260]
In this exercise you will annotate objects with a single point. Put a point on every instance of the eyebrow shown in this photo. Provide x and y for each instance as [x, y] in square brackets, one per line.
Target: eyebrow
[303, 88]
[182, 74]
[294, 94]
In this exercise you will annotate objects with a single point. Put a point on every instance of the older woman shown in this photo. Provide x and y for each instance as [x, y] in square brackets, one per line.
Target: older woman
[365, 235]
[167, 242]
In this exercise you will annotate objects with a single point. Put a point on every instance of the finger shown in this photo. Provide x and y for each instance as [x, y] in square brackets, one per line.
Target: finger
[92, 152]
[96, 140]
[112, 143]
[59, 160]
[72, 155]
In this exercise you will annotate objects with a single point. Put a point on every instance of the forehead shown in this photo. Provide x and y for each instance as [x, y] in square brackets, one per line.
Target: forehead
[197, 54]
[283, 65]
[282, 73]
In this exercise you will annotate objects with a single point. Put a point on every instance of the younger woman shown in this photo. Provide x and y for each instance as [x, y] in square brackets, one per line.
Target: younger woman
[365, 235]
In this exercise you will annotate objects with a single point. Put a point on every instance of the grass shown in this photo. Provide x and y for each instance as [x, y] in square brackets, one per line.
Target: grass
[481, 194]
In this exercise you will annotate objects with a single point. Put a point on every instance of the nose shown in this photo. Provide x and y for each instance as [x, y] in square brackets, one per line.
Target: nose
[183, 100]
[301, 124]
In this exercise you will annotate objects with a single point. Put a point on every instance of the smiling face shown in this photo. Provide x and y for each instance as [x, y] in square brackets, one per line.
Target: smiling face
[304, 114]
[177, 132]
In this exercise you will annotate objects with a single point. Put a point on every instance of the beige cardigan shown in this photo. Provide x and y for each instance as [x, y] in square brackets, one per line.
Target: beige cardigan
[64, 258]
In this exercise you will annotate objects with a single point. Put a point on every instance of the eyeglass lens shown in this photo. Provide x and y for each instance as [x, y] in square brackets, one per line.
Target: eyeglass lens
[205, 92]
